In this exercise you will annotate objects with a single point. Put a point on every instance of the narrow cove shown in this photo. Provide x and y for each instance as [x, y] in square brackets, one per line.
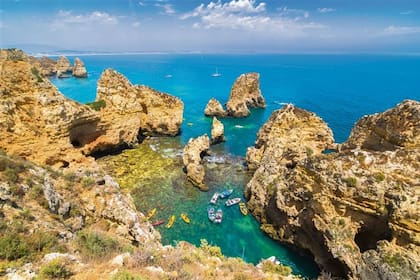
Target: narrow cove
[152, 173]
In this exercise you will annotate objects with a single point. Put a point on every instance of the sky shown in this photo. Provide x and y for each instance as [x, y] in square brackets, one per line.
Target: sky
[243, 26]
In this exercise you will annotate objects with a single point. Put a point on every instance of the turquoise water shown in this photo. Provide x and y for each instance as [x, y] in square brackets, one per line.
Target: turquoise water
[339, 88]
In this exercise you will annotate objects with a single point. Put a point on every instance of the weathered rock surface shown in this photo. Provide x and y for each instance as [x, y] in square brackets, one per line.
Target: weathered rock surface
[79, 69]
[36, 121]
[132, 112]
[217, 131]
[245, 94]
[214, 109]
[48, 66]
[192, 157]
[356, 210]
[395, 128]
[63, 66]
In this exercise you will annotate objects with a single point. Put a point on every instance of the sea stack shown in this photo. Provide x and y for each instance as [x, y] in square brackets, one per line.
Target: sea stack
[245, 94]
[63, 66]
[217, 132]
[214, 109]
[79, 69]
[48, 66]
[192, 157]
[355, 210]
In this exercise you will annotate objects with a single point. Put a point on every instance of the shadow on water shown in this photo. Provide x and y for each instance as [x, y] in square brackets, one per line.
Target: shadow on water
[152, 173]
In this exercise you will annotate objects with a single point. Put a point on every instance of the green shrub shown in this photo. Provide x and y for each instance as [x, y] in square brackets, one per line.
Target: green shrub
[88, 182]
[35, 72]
[13, 246]
[97, 105]
[55, 269]
[350, 181]
[95, 244]
[379, 176]
[12, 175]
[125, 275]
[41, 241]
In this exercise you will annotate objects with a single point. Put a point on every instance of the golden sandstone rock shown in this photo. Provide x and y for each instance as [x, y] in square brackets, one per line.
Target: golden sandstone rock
[355, 210]
[192, 160]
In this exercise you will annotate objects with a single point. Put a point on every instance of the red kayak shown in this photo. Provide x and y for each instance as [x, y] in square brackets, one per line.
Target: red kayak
[158, 223]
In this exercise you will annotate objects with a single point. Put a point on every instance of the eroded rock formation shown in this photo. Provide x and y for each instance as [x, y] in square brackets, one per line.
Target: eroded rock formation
[217, 131]
[356, 210]
[192, 157]
[214, 109]
[131, 112]
[79, 69]
[36, 121]
[245, 94]
[48, 66]
[63, 66]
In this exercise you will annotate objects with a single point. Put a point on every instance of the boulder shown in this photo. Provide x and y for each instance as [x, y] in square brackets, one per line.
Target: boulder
[192, 157]
[214, 109]
[245, 94]
[79, 69]
[355, 210]
[217, 131]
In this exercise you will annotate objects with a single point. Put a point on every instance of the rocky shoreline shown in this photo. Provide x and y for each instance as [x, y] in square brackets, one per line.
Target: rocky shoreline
[356, 209]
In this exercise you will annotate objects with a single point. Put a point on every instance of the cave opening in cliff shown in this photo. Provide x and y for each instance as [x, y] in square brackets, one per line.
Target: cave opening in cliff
[372, 231]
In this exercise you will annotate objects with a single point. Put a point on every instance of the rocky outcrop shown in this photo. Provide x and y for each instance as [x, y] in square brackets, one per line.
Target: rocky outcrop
[214, 109]
[217, 131]
[245, 94]
[63, 66]
[356, 210]
[131, 112]
[48, 66]
[192, 157]
[79, 69]
[36, 121]
[388, 131]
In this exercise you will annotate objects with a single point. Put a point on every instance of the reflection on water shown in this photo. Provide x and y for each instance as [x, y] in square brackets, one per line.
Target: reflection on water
[152, 173]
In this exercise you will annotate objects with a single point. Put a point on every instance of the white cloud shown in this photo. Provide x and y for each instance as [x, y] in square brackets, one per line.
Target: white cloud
[325, 10]
[410, 12]
[401, 30]
[168, 9]
[93, 17]
[298, 14]
[136, 24]
[251, 16]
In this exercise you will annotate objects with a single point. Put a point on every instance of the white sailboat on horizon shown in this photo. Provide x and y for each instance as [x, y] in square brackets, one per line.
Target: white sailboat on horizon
[216, 74]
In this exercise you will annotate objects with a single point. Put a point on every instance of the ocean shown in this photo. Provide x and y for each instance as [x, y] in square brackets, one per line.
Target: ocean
[338, 88]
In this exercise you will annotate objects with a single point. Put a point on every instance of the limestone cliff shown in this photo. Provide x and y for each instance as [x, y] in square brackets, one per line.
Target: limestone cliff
[217, 131]
[79, 69]
[48, 66]
[356, 210]
[214, 109]
[192, 157]
[131, 112]
[36, 121]
[245, 94]
[63, 66]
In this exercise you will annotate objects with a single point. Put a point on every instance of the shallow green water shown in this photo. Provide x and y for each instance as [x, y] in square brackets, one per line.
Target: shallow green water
[152, 173]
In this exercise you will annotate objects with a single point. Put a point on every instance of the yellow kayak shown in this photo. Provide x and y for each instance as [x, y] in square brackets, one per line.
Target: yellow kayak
[171, 221]
[243, 209]
[185, 218]
[151, 214]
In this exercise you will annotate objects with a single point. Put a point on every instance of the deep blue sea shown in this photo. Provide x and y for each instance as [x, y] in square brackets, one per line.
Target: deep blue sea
[338, 88]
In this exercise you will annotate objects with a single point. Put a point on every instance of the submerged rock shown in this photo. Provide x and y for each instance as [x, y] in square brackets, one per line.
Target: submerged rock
[217, 131]
[79, 69]
[356, 210]
[192, 157]
[245, 94]
[214, 109]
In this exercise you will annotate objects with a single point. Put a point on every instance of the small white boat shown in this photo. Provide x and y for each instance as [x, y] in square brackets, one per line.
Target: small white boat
[219, 216]
[168, 76]
[225, 193]
[216, 74]
[214, 198]
[211, 214]
[232, 201]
